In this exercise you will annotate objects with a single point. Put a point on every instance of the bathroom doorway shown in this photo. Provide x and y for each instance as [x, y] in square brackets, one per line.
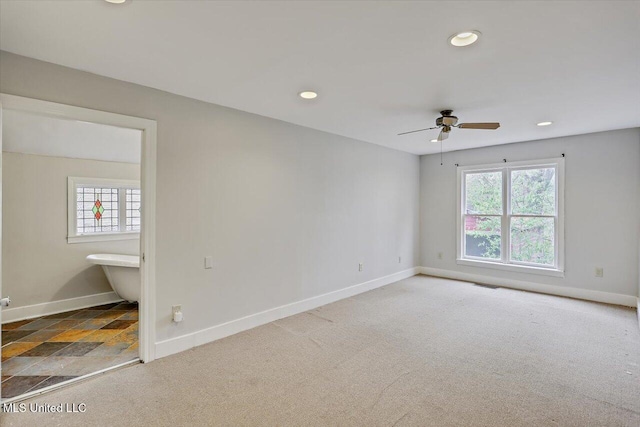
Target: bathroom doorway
[82, 290]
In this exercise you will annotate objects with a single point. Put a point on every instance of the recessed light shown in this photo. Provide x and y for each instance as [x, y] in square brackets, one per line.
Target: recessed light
[464, 38]
[544, 123]
[434, 140]
[308, 94]
[115, 1]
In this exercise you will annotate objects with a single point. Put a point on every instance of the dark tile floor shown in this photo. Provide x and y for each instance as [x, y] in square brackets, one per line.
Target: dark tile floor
[37, 353]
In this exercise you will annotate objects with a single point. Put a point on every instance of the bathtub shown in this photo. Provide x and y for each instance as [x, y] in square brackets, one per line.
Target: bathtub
[123, 273]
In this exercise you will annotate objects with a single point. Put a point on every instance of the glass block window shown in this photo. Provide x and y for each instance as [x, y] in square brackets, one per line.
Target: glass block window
[133, 209]
[103, 209]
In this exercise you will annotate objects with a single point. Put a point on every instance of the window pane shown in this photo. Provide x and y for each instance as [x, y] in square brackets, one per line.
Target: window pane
[482, 236]
[96, 210]
[533, 191]
[483, 193]
[532, 240]
[133, 209]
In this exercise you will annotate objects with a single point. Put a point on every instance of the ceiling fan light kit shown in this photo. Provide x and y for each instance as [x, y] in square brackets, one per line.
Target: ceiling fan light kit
[448, 121]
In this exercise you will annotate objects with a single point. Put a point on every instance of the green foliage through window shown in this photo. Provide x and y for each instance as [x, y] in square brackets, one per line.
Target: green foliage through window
[532, 223]
[533, 191]
[484, 193]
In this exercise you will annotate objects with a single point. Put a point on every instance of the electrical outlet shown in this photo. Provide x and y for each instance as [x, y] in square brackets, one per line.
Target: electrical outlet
[439, 255]
[599, 272]
[360, 267]
[208, 262]
[177, 316]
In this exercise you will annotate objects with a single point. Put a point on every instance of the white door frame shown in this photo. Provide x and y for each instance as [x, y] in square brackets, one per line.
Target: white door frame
[147, 321]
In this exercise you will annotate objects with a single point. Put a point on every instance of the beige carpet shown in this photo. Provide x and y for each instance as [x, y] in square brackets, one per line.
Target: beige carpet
[423, 351]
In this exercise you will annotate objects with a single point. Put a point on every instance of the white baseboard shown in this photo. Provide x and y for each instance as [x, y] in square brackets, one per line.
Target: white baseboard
[30, 311]
[585, 294]
[185, 342]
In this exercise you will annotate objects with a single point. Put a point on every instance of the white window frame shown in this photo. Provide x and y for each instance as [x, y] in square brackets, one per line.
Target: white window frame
[504, 263]
[72, 230]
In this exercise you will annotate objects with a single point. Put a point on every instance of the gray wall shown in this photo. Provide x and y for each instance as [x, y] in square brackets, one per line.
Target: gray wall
[602, 207]
[286, 212]
[39, 266]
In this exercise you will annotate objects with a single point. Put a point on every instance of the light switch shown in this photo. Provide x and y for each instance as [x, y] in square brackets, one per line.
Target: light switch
[208, 262]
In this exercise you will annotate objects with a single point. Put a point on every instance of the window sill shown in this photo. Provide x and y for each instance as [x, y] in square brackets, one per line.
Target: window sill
[512, 267]
[103, 237]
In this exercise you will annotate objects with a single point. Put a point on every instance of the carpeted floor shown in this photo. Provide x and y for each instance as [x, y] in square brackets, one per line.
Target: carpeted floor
[423, 352]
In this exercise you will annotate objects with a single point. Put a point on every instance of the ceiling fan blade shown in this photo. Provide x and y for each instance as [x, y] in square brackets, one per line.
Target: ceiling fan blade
[492, 126]
[443, 135]
[419, 130]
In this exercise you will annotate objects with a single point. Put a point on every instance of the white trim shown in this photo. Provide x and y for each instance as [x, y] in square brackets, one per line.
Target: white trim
[460, 196]
[521, 164]
[36, 310]
[147, 322]
[1, 294]
[563, 291]
[103, 237]
[511, 267]
[194, 339]
[103, 182]
[560, 206]
[504, 264]
[147, 308]
[73, 182]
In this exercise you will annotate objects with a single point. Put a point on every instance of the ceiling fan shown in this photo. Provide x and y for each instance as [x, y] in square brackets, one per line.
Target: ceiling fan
[446, 122]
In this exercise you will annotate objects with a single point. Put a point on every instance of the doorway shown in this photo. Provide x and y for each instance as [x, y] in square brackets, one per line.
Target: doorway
[99, 208]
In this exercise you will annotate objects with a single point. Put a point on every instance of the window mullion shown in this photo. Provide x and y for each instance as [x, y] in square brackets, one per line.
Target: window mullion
[75, 222]
[556, 235]
[122, 212]
[506, 203]
[463, 206]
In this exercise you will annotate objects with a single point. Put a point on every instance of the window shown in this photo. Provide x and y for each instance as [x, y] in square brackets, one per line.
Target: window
[103, 209]
[132, 209]
[510, 216]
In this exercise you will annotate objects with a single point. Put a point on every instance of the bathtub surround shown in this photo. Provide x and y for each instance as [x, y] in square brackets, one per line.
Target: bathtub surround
[287, 213]
[41, 272]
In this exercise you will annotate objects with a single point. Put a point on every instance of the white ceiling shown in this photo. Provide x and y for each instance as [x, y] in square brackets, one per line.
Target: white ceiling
[46, 136]
[380, 67]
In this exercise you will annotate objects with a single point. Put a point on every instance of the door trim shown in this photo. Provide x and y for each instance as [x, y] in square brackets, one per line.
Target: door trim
[147, 321]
